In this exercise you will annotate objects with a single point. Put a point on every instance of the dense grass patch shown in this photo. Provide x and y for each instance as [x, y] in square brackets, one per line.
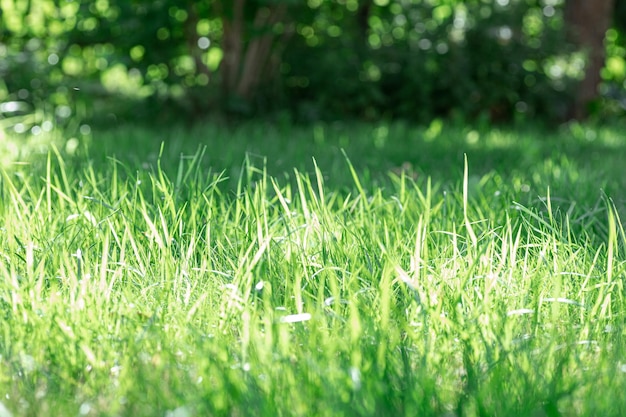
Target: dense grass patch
[190, 279]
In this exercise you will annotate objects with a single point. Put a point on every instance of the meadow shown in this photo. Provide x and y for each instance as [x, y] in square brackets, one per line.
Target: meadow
[332, 270]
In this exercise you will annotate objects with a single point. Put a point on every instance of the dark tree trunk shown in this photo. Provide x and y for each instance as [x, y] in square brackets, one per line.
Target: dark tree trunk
[249, 44]
[259, 50]
[233, 44]
[587, 22]
[191, 36]
[362, 18]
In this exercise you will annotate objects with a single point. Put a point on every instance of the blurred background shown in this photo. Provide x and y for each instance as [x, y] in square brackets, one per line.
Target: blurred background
[106, 62]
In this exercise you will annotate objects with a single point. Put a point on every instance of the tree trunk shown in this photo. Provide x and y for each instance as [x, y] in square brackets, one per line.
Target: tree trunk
[232, 46]
[248, 46]
[587, 22]
[362, 18]
[259, 51]
[191, 36]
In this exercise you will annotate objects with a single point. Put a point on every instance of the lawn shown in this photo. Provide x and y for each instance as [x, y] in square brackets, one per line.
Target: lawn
[331, 270]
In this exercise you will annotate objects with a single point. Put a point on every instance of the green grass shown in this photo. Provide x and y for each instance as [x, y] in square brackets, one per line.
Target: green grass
[258, 271]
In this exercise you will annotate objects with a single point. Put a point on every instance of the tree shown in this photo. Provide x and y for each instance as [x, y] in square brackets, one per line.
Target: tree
[310, 59]
[587, 23]
[249, 43]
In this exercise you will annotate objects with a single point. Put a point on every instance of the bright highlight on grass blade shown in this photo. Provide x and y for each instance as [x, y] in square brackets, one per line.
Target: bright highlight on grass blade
[4, 412]
[520, 311]
[563, 301]
[296, 318]
[182, 411]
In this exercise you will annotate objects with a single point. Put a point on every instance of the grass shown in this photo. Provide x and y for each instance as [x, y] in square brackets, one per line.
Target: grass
[227, 272]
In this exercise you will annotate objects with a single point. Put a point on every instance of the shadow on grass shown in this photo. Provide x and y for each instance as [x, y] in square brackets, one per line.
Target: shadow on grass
[572, 157]
[580, 165]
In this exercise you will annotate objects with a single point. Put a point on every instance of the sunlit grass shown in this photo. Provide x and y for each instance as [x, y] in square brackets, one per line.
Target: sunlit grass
[161, 283]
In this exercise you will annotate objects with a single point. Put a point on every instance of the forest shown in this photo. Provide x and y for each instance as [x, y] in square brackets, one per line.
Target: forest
[304, 61]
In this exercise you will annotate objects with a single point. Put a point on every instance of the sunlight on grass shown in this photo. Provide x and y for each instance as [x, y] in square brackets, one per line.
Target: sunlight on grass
[179, 291]
[24, 149]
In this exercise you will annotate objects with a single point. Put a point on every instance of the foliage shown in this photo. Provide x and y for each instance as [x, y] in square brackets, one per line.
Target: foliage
[431, 60]
[33, 89]
[312, 60]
